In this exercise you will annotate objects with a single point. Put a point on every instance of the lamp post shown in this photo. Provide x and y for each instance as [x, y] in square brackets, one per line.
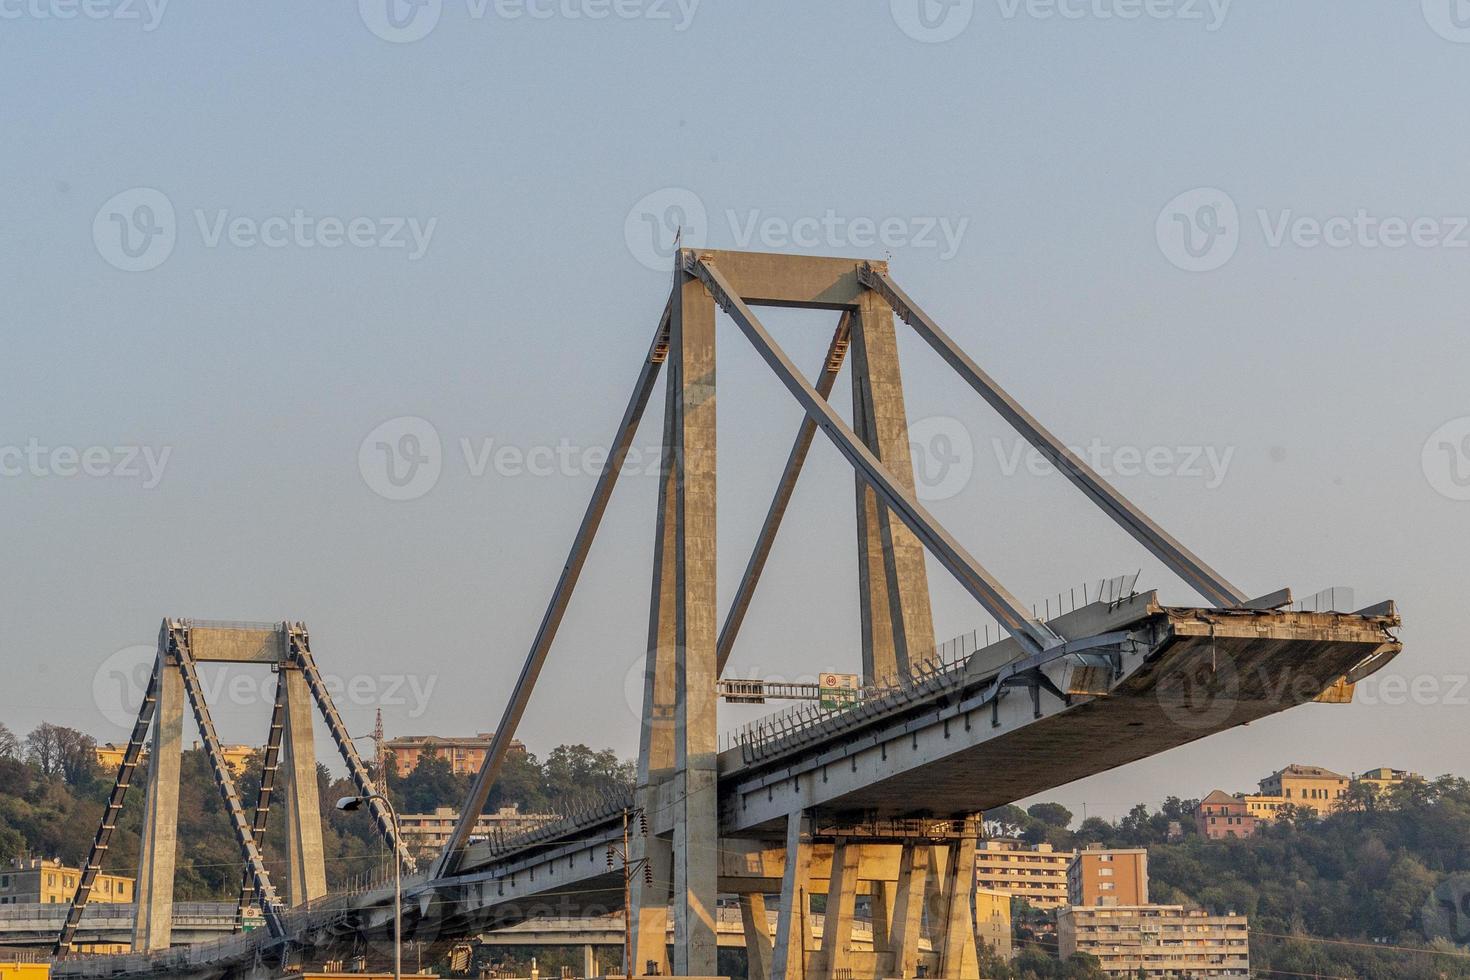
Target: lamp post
[349, 803]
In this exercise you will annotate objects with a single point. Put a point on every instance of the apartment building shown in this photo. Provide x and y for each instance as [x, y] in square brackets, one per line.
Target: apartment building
[110, 756]
[1384, 779]
[1220, 816]
[1157, 941]
[1098, 876]
[432, 830]
[1035, 873]
[464, 755]
[993, 921]
[1306, 786]
[39, 880]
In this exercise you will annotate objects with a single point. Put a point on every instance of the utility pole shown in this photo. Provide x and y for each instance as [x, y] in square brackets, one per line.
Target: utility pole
[629, 868]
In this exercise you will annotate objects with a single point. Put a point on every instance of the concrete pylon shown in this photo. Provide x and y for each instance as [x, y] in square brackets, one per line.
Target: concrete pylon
[758, 946]
[650, 898]
[696, 829]
[893, 583]
[306, 877]
[958, 957]
[788, 962]
[841, 906]
[908, 909]
[157, 850]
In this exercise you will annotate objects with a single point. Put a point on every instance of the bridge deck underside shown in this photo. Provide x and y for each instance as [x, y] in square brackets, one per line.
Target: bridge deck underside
[1201, 678]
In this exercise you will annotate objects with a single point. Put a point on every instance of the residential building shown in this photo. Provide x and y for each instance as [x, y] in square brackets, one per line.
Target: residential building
[1221, 815]
[39, 880]
[432, 830]
[464, 755]
[1384, 779]
[110, 756]
[1157, 940]
[1033, 872]
[1307, 786]
[1263, 808]
[993, 921]
[1103, 877]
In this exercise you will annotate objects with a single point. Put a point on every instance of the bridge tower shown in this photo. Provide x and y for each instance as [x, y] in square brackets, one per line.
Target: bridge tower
[174, 685]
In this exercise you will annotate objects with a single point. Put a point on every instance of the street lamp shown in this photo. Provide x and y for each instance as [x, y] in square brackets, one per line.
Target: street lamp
[349, 803]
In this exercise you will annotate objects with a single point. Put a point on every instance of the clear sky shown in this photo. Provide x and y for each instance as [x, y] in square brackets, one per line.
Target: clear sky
[235, 240]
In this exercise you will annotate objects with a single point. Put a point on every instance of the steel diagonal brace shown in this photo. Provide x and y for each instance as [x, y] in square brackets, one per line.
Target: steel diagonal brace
[301, 656]
[535, 659]
[1030, 633]
[1187, 565]
[103, 840]
[270, 763]
[836, 351]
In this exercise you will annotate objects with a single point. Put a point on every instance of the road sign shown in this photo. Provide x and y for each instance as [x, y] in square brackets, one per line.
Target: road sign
[838, 690]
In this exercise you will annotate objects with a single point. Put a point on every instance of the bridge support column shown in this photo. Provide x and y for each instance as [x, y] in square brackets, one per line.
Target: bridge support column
[958, 957]
[306, 877]
[757, 936]
[653, 891]
[789, 959]
[696, 829]
[841, 905]
[893, 583]
[589, 962]
[908, 909]
[157, 850]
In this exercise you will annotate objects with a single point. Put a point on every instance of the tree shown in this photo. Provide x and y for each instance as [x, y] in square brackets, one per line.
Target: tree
[1051, 814]
[9, 744]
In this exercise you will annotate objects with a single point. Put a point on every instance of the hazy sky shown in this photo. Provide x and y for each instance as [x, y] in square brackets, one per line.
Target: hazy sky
[235, 241]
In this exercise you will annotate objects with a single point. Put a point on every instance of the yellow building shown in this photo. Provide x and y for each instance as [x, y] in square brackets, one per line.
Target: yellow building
[1100, 877]
[33, 880]
[993, 921]
[1306, 786]
[110, 756]
[1384, 779]
[1157, 940]
[17, 970]
[464, 755]
[1036, 873]
[1264, 807]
